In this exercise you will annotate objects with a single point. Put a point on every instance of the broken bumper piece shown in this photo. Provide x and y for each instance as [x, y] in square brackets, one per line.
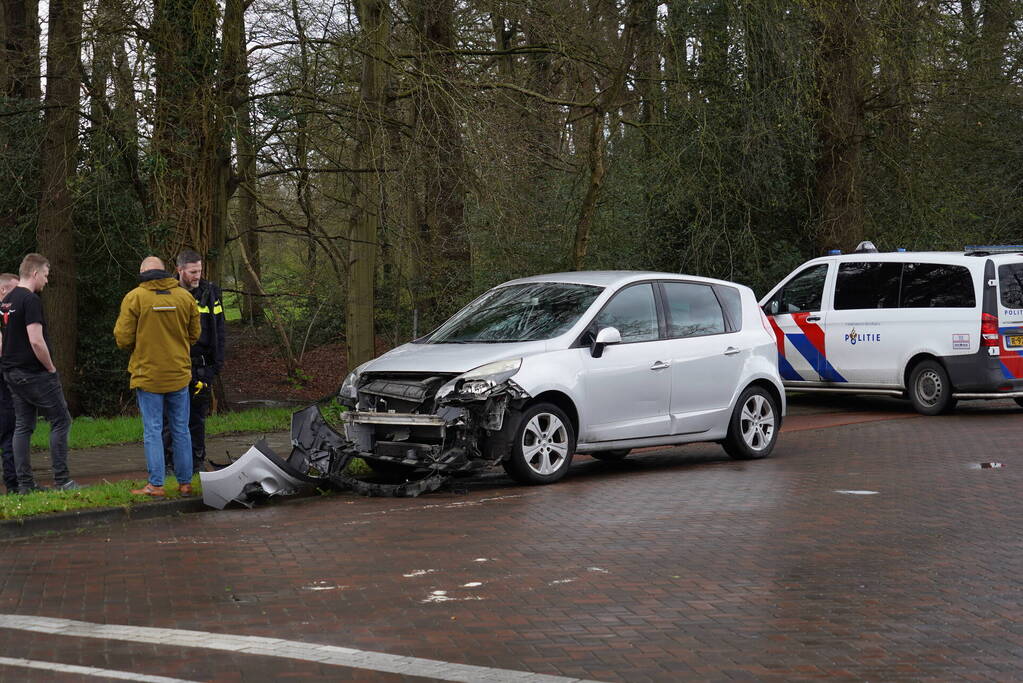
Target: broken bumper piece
[258, 474]
[319, 458]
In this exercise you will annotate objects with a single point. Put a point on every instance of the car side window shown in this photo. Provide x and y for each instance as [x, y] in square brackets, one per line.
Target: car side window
[633, 312]
[693, 310]
[937, 285]
[867, 285]
[804, 292]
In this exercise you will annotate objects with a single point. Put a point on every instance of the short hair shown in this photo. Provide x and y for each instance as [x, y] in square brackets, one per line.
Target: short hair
[188, 256]
[7, 277]
[32, 263]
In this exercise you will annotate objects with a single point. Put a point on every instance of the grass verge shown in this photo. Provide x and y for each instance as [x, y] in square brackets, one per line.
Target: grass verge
[106, 495]
[89, 432]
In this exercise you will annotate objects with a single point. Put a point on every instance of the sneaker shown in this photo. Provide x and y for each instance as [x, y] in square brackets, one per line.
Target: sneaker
[69, 485]
[150, 490]
[24, 491]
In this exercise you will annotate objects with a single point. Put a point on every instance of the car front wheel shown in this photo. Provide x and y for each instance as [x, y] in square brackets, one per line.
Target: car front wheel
[543, 446]
[930, 390]
[753, 428]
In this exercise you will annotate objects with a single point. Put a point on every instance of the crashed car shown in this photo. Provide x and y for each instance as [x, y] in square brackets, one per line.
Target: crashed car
[538, 369]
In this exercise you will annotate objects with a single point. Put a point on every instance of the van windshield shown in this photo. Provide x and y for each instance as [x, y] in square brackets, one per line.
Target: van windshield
[526, 312]
[1010, 284]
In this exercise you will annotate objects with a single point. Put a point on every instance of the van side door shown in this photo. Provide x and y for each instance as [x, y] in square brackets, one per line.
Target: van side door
[863, 331]
[796, 312]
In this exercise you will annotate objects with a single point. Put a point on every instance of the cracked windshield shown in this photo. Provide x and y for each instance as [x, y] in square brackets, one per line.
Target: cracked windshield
[527, 312]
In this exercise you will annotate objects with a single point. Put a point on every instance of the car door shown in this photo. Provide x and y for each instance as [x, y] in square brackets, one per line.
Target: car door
[796, 313]
[707, 356]
[626, 391]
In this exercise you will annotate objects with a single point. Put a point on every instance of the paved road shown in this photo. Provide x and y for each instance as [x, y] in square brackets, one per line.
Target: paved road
[876, 550]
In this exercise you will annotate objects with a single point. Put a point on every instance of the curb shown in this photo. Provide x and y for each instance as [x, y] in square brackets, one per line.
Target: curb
[73, 520]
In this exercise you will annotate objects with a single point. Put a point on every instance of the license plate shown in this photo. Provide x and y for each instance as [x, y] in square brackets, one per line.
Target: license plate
[1013, 340]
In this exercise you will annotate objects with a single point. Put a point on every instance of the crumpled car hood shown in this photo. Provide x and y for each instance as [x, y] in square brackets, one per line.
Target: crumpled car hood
[453, 358]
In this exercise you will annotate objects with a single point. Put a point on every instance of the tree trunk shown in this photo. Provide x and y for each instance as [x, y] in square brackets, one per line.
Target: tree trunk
[248, 219]
[55, 230]
[841, 72]
[19, 49]
[449, 257]
[186, 181]
[997, 17]
[375, 21]
[598, 170]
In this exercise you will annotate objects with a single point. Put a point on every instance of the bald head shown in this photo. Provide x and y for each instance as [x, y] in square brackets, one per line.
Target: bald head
[151, 263]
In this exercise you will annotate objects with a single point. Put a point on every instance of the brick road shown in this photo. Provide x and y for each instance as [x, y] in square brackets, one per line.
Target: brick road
[675, 564]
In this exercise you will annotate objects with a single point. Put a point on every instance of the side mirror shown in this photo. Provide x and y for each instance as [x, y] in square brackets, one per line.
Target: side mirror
[772, 307]
[608, 335]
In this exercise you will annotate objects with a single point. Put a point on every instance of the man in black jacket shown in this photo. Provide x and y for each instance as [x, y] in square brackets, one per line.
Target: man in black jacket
[207, 352]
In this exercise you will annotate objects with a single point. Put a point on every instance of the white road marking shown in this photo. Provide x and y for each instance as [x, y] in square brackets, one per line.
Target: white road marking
[331, 655]
[857, 493]
[86, 670]
[322, 586]
[472, 584]
[418, 572]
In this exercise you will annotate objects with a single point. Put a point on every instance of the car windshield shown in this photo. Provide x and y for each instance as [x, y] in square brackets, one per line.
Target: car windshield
[526, 312]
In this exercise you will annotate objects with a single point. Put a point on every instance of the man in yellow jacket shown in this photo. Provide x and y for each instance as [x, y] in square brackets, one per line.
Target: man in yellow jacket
[158, 323]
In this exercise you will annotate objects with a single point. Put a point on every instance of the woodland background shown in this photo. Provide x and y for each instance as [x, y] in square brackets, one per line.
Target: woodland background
[355, 170]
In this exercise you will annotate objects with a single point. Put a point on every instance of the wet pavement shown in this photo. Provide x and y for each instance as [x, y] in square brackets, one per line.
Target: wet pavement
[871, 546]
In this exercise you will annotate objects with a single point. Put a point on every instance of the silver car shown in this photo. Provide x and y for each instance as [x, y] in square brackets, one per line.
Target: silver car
[541, 368]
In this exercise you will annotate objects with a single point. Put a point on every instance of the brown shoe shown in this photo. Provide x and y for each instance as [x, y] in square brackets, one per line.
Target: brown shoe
[150, 490]
[184, 489]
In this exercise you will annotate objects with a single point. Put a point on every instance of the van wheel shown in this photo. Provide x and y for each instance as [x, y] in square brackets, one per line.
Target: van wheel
[930, 390]
[753, 427]
[543, 446]
[611, 456]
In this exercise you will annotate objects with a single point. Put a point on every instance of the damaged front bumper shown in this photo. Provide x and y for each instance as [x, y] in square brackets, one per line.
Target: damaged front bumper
[467, 433]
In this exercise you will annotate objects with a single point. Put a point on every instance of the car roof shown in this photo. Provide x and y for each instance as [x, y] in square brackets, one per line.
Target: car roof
[613, 278]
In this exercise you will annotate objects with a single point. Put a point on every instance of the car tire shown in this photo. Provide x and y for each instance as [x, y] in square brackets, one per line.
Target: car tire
[543, 446]
[753, 427]
[611, 456]
[930, 390]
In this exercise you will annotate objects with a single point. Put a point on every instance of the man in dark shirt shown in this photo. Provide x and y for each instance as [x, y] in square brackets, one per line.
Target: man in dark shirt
[207, 352]
[8, 281]
[31, 375]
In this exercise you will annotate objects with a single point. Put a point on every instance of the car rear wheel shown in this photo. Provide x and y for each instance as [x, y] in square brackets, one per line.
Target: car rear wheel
[543, 446]
[753, 428]
[930, 390]
[611, 456]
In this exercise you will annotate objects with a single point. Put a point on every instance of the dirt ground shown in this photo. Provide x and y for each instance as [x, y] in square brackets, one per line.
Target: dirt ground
[255, 369]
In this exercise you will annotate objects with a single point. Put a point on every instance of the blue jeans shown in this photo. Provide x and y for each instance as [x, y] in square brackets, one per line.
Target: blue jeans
[38, 393]
[151, 408]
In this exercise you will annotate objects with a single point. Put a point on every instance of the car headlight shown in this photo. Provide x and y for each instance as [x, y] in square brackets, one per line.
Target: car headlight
[349, 388]
[483, 379]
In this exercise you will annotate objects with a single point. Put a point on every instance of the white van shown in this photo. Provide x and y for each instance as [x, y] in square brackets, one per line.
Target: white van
[935, 326]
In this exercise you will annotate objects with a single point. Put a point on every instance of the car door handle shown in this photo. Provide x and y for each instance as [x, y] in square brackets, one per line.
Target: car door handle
[813, 318]
[731, 351]
[660, 365]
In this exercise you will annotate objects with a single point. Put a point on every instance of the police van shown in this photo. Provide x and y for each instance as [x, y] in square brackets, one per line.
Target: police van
[934, 326]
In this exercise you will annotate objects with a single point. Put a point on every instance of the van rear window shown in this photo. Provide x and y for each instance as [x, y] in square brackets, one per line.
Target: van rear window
[936, 285]
[1010, 284]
